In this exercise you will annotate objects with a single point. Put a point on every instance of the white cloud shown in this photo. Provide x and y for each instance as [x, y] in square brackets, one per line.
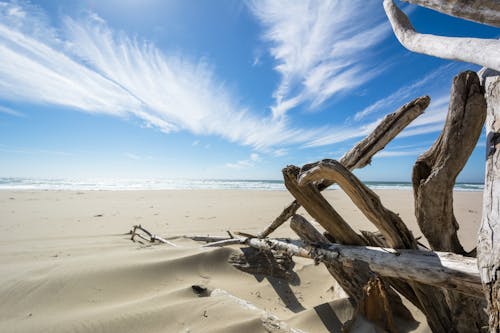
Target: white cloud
[321, 47]
[247, 163]
[132, 156]
[402, 95]
[11, 112]
[91, 68]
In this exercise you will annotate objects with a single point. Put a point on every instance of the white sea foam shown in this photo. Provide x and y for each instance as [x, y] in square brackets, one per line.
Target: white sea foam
[12, 183]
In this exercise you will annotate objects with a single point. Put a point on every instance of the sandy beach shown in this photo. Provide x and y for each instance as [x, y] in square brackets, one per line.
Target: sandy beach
[67, 265]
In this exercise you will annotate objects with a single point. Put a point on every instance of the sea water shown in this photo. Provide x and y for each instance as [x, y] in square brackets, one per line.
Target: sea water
[17, 183]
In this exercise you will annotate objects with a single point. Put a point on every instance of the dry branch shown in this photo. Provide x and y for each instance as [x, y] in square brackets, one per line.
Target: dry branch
[152, 237]
[441, 269]
[484, 52]
[488, 247]
[482, 11]
[390, 224]
[360, 155]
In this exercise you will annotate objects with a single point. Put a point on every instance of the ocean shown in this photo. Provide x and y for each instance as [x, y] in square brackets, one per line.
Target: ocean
[15, 183]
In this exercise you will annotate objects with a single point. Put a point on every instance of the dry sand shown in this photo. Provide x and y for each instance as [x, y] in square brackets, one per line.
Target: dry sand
[66, 265]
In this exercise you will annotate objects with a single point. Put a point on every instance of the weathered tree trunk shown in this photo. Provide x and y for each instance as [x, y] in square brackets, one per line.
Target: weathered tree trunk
[433, 180]
[488, 247]
[436, 170]
[361, 154]
[484, 52]
[482, 11]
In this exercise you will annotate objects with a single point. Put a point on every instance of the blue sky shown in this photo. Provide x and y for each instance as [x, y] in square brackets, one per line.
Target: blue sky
[213, 89]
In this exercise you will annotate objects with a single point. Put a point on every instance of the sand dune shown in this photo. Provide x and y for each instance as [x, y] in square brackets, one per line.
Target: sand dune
[66, 265]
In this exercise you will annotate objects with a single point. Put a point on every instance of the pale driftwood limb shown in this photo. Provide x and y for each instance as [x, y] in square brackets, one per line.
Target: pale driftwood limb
[441, 269]
[389, 224]
[152, 237]
[225, 242]
[360, 155]
[481, 11]
[488, 247]
[357, 276]
[207, 239]
[435, 170]
[270, 322]
[484, 52]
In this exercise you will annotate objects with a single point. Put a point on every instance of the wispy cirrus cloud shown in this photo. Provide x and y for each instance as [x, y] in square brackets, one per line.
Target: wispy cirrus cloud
[90, 67]
[319, 49]
[11, 112]
[405, 93]
[249, 162]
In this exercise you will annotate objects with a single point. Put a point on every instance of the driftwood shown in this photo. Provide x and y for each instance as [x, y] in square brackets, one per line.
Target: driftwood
[484, 52]
[151, 237]
[488, 247]
[435, 170]
[433, 180]
[389, 224]
[442, 269]
[357, 276]
[435, 308]
[375, 305]
[481, 11]
[360, 155]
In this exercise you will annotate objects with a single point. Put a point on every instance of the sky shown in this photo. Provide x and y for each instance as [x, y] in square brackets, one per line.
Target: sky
[219, 89]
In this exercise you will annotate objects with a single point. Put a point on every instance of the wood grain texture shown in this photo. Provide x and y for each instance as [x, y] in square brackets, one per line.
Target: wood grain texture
[488, 247]
[481, 11]
[484, 52]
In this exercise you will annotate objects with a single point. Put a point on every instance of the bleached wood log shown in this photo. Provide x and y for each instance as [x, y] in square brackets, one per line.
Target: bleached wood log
[435, 171]
[435, 307]
[358, 276]
[361, 154]
[389, 224]
[484, 52]
[488, 247]
[481, 11]
[441, 269]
